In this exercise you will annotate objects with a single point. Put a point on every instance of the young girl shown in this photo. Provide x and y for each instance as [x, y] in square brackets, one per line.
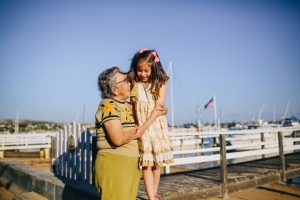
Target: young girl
[148, 92]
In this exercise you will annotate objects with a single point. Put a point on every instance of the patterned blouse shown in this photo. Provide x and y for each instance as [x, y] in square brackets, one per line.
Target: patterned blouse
[110, 109]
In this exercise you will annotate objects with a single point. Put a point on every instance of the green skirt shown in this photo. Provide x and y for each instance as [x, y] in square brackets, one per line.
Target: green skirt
[116, 176]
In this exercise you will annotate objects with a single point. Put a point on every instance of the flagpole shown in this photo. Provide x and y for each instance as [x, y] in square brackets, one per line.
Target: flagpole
[215, 110]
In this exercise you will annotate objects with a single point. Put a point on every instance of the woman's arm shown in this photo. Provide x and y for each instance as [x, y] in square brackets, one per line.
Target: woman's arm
[117, 135]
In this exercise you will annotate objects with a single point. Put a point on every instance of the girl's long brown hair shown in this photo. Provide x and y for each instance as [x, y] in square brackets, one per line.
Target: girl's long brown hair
[158, 77]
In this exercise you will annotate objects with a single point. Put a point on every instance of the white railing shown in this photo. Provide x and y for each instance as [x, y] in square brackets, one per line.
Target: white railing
[73, 153]
[76, 163]
[25, 141]
[253, 140]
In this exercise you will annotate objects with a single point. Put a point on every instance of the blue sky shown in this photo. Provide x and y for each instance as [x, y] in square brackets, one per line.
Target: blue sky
[247, 53]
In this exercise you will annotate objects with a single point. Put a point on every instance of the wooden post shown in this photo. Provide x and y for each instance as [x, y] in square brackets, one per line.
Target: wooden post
[294, 137]
[1, 154]
[42, 153]
[181, 144]
[215, 141]
[262, 139]
[202, 143]
[223, 162]
[281, 155]
[53, 158]
[197, 141]
[167, 169]
[47, 153]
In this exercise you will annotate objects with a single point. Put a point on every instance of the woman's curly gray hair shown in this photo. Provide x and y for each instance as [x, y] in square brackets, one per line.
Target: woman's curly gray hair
[106, 81]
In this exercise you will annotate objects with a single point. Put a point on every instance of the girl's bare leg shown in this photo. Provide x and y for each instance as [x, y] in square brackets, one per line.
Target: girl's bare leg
[149, 182]
[156, 177]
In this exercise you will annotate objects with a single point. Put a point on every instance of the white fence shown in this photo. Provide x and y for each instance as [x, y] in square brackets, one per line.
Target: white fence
[254, 147]
[76, 161]
[73, 154]
[25, 141]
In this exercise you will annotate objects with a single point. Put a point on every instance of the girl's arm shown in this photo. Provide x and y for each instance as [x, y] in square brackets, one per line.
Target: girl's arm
[117, 135]
[162, 95]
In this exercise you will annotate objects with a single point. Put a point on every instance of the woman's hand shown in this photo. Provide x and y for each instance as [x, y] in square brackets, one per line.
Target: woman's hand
[140, 131]
[159, 110]
[164, 111]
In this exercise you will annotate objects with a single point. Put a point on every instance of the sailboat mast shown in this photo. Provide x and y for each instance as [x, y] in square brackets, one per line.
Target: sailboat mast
[17, 123]
[286, 111]
[172, 100]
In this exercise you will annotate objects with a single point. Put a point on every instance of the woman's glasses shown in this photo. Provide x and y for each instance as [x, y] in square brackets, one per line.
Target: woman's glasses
[125, 80]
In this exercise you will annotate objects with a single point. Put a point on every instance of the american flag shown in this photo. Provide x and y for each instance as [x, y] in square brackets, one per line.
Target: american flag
[210, 104]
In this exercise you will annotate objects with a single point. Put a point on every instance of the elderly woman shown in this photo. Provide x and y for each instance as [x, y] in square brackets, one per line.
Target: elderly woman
[117, 174]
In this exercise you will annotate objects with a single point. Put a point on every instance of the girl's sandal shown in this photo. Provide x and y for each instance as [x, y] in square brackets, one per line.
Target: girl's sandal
[158, 197]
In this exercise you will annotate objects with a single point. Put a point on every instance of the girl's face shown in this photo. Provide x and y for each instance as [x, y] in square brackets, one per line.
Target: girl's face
[143, 71]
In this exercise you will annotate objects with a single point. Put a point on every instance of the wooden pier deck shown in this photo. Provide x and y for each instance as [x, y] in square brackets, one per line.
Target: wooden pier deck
[201, 184]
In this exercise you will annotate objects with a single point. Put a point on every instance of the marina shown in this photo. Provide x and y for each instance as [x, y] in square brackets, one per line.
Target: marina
[207, 164]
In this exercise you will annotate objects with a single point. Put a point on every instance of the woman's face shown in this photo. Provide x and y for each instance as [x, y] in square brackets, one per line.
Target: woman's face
[143, 71]
[123, 86]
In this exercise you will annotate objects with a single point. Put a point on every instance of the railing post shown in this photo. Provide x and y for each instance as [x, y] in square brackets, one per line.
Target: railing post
[167, 169]
[197, 141]
[216, 141]
[281, 155]
[53, 158]
[94, 155]
[294, 137]
[181, 144]
[262, 139]
[2, 145]
[82, 151]
[88, 156]
[223, 162]
[78, 136]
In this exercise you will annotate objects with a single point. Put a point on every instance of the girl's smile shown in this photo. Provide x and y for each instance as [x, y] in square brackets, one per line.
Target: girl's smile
[143, 71]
